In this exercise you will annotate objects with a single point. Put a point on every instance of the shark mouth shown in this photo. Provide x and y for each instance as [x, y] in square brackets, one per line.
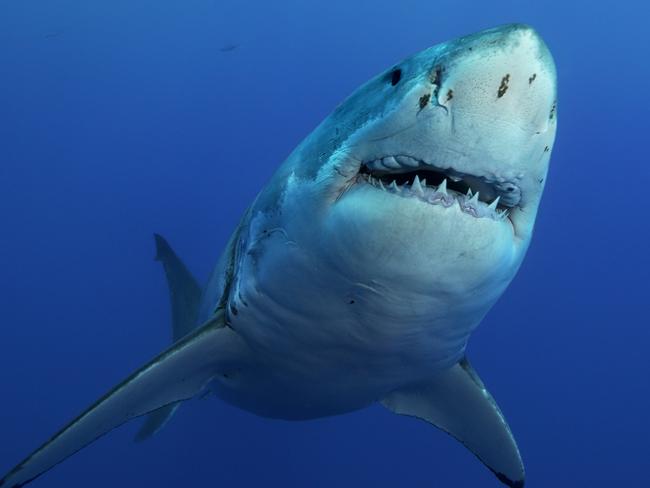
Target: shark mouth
[408, 177]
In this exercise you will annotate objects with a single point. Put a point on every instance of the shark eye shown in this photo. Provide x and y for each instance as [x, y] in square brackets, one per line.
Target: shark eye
[395, 76]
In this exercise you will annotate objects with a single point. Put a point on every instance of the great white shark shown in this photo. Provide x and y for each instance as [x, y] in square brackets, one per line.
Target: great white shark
[359, 272]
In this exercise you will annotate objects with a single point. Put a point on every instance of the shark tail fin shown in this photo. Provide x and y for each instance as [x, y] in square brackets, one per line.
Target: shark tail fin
[177, 374]
[185, 298]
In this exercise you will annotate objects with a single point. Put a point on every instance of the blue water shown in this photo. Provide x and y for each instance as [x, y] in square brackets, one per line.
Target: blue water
[121, 118]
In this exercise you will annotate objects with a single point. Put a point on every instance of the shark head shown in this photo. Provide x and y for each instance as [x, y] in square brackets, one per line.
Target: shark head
[430, 174]
[417, 196]
[476, 115]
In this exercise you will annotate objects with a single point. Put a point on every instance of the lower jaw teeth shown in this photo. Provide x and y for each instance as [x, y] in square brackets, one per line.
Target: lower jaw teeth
[469, 204]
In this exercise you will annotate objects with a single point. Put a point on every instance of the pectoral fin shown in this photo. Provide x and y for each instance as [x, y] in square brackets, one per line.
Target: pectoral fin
[458, 403]
[177, 374]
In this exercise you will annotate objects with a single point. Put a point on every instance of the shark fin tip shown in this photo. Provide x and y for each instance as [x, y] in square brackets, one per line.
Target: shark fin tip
[162, 246]
[508, 482]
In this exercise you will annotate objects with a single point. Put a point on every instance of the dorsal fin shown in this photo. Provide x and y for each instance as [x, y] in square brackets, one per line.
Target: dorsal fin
[457, 402]
[185, 298]
[184, 291]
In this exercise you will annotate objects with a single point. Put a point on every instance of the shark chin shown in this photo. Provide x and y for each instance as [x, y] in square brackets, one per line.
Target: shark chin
[360, 271]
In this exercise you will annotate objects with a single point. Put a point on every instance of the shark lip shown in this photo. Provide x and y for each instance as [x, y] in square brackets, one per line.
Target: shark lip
[478, 196]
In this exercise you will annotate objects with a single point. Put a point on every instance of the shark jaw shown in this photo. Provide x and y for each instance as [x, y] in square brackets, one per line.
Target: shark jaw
[409, 178]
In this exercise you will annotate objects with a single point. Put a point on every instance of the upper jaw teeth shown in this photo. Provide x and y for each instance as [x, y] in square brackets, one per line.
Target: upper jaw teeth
[394, 162]
[390, 163]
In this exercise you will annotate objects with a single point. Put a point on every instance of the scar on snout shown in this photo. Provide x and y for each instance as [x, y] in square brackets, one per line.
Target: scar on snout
[546, 149]
[503, 88]
[532, 78]
[450, 95]
[424, 99]
[435, 77]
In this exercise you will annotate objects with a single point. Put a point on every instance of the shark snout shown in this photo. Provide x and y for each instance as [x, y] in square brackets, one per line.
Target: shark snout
[505, 76]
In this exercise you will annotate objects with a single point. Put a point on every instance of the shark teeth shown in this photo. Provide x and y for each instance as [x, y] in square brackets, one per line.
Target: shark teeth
[407, 161]
[416, 186]
[446, 194]
[391, 163]
[493, 205]
[469, 203]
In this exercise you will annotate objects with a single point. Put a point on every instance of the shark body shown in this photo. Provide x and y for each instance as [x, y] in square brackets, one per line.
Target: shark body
[360, 271]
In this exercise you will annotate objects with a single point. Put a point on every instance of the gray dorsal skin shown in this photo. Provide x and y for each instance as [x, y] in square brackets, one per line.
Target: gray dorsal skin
[361, 269]
[185, 298]
[457, 402]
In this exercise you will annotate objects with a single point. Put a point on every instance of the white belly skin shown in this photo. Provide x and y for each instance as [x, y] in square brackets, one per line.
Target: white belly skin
[330, 330]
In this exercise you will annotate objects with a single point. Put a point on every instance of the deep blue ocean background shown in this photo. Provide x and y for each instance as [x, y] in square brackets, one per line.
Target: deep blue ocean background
[123, 118]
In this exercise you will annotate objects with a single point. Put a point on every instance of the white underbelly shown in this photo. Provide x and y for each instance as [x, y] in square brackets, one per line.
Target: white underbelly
[325, 344]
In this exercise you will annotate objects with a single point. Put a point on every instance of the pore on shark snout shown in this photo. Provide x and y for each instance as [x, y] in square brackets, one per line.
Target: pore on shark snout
[361, 269]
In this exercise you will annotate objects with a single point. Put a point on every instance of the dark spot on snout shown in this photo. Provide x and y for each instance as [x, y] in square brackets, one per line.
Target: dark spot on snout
[532, 78]
[424, 100]
[503, 88]
[553, 109]
[351, 302]
[546, 149]
[450, 95]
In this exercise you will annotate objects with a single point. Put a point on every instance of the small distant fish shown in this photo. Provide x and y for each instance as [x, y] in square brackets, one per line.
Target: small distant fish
[228, 48]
